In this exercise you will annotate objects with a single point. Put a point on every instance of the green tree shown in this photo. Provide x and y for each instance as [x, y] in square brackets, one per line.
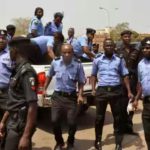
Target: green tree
[21, 25]
[115, 32]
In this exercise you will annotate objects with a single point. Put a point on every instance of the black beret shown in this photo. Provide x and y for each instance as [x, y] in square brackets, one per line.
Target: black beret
[90, 30]
[145, 41]
[125, 32]
[3, 32]
[58, 14]
[10, 26]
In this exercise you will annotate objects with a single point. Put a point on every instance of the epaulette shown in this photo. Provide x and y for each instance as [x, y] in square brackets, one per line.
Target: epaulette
[57, 58]
[98, 55]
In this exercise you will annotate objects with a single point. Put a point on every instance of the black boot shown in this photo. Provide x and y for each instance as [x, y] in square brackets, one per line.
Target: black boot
[118, 147]
[98, 145]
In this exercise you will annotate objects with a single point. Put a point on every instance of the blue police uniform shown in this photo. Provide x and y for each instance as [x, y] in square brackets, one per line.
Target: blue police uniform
[43, 42]
[64, 98]
[52, 28]
[5, 73]
[144, 76]
[78, 44]
[144, 79]
[108, 72]
[71, 40]
[36, 24]
[5, 67]
[67, 76]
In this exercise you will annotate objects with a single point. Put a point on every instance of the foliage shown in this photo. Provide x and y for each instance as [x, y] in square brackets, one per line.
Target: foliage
[21, 25]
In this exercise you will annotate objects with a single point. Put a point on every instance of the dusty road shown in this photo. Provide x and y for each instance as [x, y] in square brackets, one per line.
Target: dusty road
[43, 138]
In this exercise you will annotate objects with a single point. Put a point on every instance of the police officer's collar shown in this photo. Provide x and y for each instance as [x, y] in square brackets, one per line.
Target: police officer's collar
[104, 56]
[62, 62]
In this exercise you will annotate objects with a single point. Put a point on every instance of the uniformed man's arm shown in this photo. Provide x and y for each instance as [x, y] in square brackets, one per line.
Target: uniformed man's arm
[88, 52]
[81, 82]
[50, 52]
[3, 124]
[24, 142]
[138, 95]
[34, 33]
[49, 77]
[94, 76]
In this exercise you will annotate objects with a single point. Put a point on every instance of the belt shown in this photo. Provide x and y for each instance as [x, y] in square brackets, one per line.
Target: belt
[146, 99]
[3, 90]
[65, 94]
[110, 88]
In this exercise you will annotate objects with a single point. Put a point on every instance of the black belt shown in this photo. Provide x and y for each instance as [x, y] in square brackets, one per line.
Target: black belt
[146, 99]
[110, 88]
[66, 94]
[3, 90]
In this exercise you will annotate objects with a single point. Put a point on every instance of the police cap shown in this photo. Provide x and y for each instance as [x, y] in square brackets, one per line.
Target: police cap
[3, 32]
[145, 41]
[90, 31]
[10, 27]
[58, 14]
[125, 32]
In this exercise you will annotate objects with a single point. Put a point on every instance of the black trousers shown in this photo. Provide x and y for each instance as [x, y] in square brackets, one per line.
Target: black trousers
[64, 105]
[14, 131]
[146, 122]
[127, 117]
[103, 97]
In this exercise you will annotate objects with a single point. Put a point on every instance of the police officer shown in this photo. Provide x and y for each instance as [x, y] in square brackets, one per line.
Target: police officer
[68, 71]
[71, 39]
[49, 44]
[5, 73]
[107, 69]
[55, 25]
[11, 29]
[83, 44]
[144, 88]
[22, 104]
[36, 26]
[131, 56]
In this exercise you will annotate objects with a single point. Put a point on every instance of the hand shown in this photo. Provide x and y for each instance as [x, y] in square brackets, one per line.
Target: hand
[135, 104]
[130, 95]
[80, 99]
[44, 93]
[24, 143]
[2, 128]
[93, 93]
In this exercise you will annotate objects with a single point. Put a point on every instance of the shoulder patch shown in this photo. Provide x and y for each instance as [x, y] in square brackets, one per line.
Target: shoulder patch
[98, 55]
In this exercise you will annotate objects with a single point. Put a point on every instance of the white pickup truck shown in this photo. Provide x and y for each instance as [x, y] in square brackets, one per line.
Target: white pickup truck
[46, 102]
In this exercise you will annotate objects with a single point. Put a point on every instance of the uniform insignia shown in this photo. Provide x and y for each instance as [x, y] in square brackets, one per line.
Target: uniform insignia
[32, 82]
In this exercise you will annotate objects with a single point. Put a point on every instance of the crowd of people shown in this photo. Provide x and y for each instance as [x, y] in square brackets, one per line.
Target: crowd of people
[120, 74]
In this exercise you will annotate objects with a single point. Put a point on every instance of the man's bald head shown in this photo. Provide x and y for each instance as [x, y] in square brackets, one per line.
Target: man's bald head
[67, 53]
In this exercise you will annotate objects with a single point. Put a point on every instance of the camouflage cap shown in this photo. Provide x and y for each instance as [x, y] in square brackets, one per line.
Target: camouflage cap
[125, 32]
[90, 30]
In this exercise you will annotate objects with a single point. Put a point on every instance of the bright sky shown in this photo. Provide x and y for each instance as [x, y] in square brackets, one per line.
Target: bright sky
[81, 14]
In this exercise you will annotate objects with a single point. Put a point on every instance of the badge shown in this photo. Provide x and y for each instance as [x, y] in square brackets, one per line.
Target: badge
[32, 82]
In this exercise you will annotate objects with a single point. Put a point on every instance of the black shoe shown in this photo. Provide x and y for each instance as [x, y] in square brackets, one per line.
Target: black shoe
[70, 147]
[98, 145]
[118, 147]
[59, 147]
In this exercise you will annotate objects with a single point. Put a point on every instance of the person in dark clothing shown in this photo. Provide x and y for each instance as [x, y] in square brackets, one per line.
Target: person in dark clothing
[20, 117]
[131, 55]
